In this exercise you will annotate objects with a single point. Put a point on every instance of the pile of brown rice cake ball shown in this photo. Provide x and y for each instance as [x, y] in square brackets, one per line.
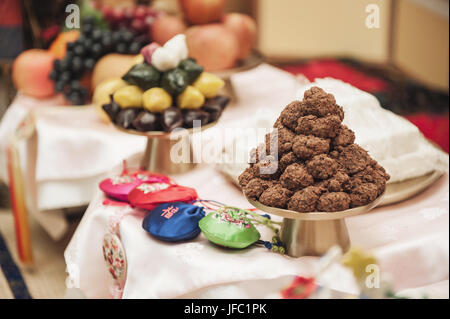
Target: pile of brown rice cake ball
[319, 167]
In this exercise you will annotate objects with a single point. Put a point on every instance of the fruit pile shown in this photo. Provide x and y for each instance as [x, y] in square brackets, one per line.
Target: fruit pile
[218, 41]
[320, 167]
[80, 59]
[165, 91]
[82, 54]
[138, 19]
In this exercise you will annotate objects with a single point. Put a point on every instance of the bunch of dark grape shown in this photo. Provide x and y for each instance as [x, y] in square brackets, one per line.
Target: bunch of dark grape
[136, 18]
[81, 56]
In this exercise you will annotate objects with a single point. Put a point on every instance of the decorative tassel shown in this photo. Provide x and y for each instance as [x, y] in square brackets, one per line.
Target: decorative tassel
[17, 191]
[274, 246]
[17, 195]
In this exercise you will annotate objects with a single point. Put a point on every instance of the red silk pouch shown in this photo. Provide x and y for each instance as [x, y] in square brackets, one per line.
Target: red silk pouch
[148, 196]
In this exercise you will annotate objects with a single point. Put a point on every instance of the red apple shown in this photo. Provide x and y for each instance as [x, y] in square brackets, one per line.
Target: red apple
[203, 11]
[165, 27]
[30, 73]
[244, 27]
[213, 46]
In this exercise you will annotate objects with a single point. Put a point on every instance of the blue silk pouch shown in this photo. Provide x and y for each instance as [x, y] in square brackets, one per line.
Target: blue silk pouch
[174, 222]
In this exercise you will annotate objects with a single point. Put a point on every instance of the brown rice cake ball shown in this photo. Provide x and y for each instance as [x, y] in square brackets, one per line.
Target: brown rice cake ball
[246, 176]
[319, 103]
[353, 158]
[286, 160]
[381, 188]
[324, 127]
[275, 196]
[336, 183]
[372, 175]
[256, 187]
[334, 154]
[290, 115]
[322, 184]
[305, 200]
[375, 176]
[363, 194]
[322, 166]
[278, 123]
[305, 147]
[258, 154]
[280, 140]
[353, 183]
[268, 168]
[296, 177]
[333, 202]
[344, 137]
[380, 170]
[380, 173]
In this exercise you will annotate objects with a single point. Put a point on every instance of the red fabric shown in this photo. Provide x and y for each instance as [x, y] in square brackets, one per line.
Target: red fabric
[175, 193]
[434, 127]
[10, 13]
[50, 33]
[338, 70]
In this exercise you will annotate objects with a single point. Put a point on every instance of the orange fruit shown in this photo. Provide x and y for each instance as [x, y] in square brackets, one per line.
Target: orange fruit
[59, 45]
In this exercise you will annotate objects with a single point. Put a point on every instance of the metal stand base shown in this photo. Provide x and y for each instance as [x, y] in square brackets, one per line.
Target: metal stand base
[312, 234]
[169, 157]
[168, 153]
[313, 238]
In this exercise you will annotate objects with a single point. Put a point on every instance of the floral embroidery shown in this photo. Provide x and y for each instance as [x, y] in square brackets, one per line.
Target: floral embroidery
[127, 178]
[151, 188]
[233, 217]
[122, 179]
[142, 177]
[114, 256]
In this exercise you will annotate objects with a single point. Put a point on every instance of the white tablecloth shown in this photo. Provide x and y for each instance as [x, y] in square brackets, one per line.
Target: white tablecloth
[410, 241]
[75, 149]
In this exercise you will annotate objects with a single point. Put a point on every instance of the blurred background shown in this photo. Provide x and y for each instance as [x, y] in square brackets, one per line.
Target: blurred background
[397, 50]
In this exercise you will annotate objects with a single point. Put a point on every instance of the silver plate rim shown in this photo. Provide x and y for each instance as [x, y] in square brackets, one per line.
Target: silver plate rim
[314, 216]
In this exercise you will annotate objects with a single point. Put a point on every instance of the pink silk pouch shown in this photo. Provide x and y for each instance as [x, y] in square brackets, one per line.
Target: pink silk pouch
[118, 187]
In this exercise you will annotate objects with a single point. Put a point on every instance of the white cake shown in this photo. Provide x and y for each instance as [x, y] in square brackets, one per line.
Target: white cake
[392, 140]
